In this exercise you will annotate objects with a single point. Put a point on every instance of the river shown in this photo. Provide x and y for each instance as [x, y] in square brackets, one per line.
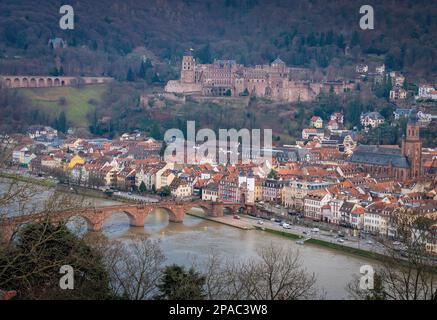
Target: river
[195, 239]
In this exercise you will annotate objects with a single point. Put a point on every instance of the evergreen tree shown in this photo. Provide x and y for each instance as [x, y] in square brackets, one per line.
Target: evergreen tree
[62, 122]
[355, 39]
[165, 191]
[130, 75]
[142, 187]
[179, 284]
[155, 133]
[31, 264]
[204, 54]
[145, 70]
[272, 174]
[340, 41]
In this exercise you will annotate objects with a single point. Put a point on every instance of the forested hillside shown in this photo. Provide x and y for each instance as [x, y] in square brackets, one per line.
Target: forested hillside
[141, 42]
[313, 33]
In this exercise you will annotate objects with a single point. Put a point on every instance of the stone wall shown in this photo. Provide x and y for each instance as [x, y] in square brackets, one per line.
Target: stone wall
[176, 86]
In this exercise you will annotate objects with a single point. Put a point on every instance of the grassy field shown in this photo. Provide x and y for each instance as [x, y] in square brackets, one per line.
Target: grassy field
[77, 100]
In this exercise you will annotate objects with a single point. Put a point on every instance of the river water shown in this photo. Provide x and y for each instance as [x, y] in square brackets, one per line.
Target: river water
[194, 240]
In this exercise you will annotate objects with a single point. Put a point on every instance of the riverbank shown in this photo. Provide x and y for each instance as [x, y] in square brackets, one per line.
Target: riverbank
[292, 236]
[27, 179]
[326, 244]
[223, 220]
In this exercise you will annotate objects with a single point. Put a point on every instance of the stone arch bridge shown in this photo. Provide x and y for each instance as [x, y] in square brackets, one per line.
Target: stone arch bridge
[137, 213]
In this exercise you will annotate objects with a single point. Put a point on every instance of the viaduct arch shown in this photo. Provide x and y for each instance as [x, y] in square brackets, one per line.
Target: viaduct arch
[49, 81]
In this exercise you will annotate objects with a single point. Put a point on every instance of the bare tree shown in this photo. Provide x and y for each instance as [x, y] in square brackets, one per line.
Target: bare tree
[15, 195]
[134, 267]
[408, 272]
[276, 274]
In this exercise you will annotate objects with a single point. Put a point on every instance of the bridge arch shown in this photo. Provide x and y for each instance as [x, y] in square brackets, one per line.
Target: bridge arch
[33, 82]
[201, 206]
[8, 82]
[17, 82]
[132, 216]
[57, 82]
[228, 210]
[41, 82]
[175, 214]
[50, 82]
[75, 223]
[25, 82]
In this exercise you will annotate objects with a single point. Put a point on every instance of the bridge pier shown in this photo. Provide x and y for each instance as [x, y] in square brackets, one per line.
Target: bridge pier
[6, 233]
[96, 226]
[177, 215]
[217, 210]
[137, 220]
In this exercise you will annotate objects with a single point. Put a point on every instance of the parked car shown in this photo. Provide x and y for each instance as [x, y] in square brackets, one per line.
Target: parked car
[278, 220]
[340, 240]
[286, 226]
[237, 217]
[260, 222]
[315, 230]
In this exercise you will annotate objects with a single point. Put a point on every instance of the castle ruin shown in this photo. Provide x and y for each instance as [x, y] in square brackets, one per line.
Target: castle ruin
[227, 78]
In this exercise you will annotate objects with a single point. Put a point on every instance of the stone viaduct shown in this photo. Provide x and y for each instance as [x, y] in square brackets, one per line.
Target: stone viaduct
[49, 81]
[137, 213]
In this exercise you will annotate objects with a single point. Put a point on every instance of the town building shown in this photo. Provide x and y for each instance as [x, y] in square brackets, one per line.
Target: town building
[398, 93]
[316, 122]
[314, 202]
[180, 188]
[272, 190]
[371, 119]
[295, 192]
[210, 192]
[426, 92]
[308, 133]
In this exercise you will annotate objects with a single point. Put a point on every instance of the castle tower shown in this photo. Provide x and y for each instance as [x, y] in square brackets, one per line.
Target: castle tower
[412, 146]
[187, 70]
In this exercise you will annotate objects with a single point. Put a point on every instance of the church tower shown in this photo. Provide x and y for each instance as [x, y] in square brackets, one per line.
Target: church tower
[187, 70]
[412, 147]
